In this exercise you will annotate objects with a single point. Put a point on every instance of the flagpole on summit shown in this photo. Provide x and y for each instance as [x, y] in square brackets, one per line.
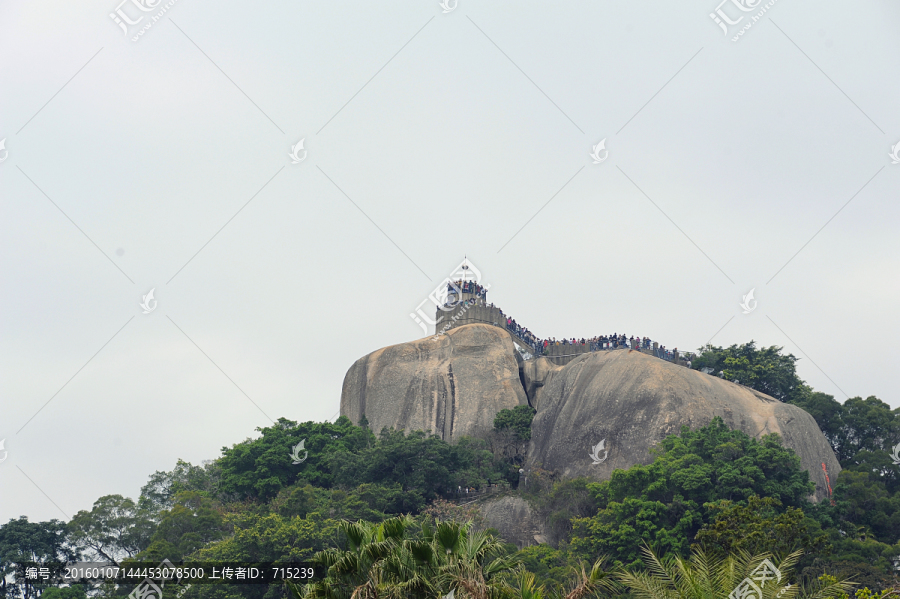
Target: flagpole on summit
[465, 269]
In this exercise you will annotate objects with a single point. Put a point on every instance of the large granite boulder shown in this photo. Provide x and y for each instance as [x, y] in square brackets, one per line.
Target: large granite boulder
[633, 400]
[453, 385]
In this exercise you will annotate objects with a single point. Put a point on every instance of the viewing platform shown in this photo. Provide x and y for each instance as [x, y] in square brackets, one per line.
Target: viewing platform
[466, 303]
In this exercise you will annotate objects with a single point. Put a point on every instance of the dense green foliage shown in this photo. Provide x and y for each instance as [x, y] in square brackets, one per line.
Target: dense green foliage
[24, 541]
[509, 439]
[260, 468]
[766, 369]
[862, 433]
[394, 559]
[757, 527]
[709, 576]
[864, 524]
[516, 421]
[380, 510]
[421, 466]
[664, 503]
[401, 472]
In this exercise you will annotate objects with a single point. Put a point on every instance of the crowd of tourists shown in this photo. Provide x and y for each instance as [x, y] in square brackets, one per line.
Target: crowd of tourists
[465, 287]
[540, 346]
[598, 343]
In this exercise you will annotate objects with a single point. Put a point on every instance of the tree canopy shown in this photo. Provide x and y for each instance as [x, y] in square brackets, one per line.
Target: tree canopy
[663, 503]
[765, 369]
[381, 511]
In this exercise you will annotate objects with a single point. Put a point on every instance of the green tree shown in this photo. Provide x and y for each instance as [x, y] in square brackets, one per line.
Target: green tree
[661, 503]
[579, 582]
[857, 429]
[509, 439]
[861, 573]
[704, 576]
[757, 527]
[864, 523]
[551, 566]
[516, 421]
[260, 468]
[356, 571]
[368, 501]
[386, 560]
[271, 538]
[424, 466]
[24, 541]
[192, 522]
[471, 561]
[115, 529]
[159, 493]
[765, 369]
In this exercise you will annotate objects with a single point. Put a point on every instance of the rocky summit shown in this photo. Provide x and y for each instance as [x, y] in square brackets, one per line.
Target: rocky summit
[452, 385]
[602, 411]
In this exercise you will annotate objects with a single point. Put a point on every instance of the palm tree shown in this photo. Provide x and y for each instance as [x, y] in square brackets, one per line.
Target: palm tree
[704, 576]
[381, 563]
[590, 583]
[471, 563]
[354, 573]
[523, 585]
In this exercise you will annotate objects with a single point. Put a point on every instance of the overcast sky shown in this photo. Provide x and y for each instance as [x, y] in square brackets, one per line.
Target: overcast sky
[163, 164]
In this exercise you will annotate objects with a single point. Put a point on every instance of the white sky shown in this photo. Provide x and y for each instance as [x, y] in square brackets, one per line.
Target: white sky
[447, 132]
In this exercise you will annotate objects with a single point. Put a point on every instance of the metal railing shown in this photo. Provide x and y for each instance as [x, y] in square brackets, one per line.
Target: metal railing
[644, 346]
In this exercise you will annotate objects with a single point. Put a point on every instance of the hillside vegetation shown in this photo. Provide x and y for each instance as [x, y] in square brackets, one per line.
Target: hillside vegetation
[381, 509]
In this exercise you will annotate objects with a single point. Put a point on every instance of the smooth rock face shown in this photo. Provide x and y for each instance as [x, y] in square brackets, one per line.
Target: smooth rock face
[452, 386]
[633, 401]
[514, 520]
